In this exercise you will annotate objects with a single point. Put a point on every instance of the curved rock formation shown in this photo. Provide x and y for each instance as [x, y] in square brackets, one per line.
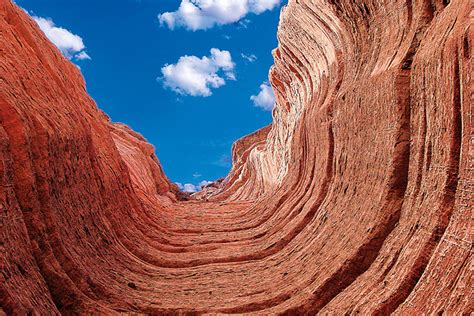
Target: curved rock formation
[357, 199]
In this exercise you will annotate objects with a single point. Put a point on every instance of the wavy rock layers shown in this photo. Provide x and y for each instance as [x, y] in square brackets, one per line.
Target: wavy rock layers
[357, 199]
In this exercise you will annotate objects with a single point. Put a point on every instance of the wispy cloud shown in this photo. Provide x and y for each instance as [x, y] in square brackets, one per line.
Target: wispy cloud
[71, 45]
[204, 14]
[244, 24]
[196, 76]
[265, 99]
[250, 58]
[82, 55]
[223, 161]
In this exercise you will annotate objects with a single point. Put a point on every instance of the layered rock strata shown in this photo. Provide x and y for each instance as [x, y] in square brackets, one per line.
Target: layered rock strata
[358, 198]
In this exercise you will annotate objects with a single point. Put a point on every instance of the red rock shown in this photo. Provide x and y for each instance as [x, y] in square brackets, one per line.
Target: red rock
[357, 199]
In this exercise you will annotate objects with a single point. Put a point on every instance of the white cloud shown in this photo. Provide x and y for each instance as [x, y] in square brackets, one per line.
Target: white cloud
[250, 58]
[197, 175]
[265, 99]
[260, 6]
[191, 188]
[244, 24]
[71, 45]
[188, 187]
[203, 14]
[82, 55]
[204, 183]
[196, 76]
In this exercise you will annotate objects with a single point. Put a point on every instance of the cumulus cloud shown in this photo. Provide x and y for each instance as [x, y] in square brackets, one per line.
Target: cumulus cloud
[71, 45]
[204, 183]
[250, 58]
[191, 188]
[187, 187]
[196, 76]
[265, 99]
[203, 14]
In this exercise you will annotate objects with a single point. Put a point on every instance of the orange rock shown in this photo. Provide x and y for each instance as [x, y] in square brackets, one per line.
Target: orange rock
[358, 198]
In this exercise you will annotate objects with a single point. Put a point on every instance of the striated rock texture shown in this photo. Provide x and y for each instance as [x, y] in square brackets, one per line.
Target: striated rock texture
[358, 198]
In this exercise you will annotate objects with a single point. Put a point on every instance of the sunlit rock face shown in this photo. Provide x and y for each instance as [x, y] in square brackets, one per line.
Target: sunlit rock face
[358, 198]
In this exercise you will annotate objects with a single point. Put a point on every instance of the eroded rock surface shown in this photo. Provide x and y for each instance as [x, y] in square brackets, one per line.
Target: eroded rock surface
[357, 199]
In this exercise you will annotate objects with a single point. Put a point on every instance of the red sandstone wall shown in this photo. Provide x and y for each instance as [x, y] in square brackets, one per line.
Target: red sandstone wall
[357, 199]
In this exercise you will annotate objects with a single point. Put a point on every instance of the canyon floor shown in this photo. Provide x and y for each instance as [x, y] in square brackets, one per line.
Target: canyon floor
[357, 199]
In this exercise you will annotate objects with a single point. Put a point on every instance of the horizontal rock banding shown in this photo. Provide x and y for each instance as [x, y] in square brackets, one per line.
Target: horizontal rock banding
[357, 198]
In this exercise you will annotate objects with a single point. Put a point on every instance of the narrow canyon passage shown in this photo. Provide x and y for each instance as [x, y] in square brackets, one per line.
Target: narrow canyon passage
[358, 198]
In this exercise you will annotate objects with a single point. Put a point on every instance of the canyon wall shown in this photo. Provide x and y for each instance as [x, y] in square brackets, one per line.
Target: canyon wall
[358, 198]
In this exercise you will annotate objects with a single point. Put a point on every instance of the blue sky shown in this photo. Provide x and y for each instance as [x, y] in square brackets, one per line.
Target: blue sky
[194, 110]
